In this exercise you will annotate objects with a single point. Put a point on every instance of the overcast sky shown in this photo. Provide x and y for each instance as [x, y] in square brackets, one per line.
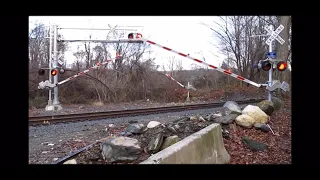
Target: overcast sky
[185, 34]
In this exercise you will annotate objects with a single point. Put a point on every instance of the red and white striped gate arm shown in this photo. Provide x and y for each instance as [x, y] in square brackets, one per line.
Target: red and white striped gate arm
[199, 61]
[168, 75]
[83, 72]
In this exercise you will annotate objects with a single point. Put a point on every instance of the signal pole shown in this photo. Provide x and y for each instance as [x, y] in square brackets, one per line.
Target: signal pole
[53, 43]
[270, 71]
[50, 61]
[53, 56]
[55, 64]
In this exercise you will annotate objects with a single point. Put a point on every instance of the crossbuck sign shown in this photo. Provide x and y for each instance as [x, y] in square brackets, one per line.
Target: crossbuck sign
[275, 34]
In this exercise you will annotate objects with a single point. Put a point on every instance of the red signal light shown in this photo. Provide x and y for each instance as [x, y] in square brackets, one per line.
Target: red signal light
[130, 36]
[281, 66]
[139, 35]
[54, 72]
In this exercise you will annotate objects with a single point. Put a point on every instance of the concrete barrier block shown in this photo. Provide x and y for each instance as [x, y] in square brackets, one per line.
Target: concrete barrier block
[203, 147]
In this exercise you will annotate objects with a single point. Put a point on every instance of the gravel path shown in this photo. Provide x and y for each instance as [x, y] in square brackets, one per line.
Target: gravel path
[49, 142]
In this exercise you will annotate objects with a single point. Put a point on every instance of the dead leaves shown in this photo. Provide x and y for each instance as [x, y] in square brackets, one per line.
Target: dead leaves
[279, 145]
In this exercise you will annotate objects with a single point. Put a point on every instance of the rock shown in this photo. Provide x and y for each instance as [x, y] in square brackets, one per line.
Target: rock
[193, 118]
[153, 124]
[278, 103]
[266, 106]
[156, 143]
[111, 125]
[202, 119]
[258, 125]
[256, 113]
[135, 128]
[225, 134]
[71, 161]
[187, 129]
[125, 133]
[172, 129]
[253, 145]
[245, 121]
[226, 119]
[133, 121]
[231, 106]
[176, 126]
[169, 141]
[120, 149]
[262, 127]
[81, 107]
[212, 116]
[265, 128]
[55, 159]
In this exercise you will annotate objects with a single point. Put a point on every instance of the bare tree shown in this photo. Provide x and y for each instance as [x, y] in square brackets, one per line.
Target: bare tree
[234, 34]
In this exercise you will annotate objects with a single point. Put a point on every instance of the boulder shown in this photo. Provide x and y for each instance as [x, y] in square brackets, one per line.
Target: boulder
[226, 119]
[266, 106]
[120, 149]
[253, 145]
[231, 106]
[135, 128]
[245, 120]
[156, 143]
[169, 141]
[153, 124]
[262, 127]
[212, 116]
[278, 103]
[256, 113]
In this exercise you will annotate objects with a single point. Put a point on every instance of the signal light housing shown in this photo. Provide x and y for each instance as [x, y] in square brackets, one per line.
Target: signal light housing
[134, 35]
[130, 36]
[139, 35]
[54, 72]
[281, 66]
[41, 72]
[265, 65]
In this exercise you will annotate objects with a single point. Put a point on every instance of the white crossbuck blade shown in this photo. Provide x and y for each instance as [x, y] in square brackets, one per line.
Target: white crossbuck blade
[275, 34]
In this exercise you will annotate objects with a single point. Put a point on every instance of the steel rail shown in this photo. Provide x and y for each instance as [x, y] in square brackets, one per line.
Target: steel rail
[42, 120]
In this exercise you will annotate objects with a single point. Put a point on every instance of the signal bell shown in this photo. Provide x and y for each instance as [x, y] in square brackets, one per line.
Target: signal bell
[281, 66]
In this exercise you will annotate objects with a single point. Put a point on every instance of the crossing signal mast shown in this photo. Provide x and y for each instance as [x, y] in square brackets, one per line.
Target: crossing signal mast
[271, 63]
[55, 68]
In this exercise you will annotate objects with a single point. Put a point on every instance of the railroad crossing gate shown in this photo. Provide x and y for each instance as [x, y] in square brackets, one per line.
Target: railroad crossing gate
[139, 39]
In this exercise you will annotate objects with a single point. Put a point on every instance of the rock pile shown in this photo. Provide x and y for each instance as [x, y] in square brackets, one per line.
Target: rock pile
[138, 139]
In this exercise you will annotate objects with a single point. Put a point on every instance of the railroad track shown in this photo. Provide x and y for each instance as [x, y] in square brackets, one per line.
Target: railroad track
[42, 120]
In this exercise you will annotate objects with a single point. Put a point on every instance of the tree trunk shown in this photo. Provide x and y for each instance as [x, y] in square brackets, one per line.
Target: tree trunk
[283, 50]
